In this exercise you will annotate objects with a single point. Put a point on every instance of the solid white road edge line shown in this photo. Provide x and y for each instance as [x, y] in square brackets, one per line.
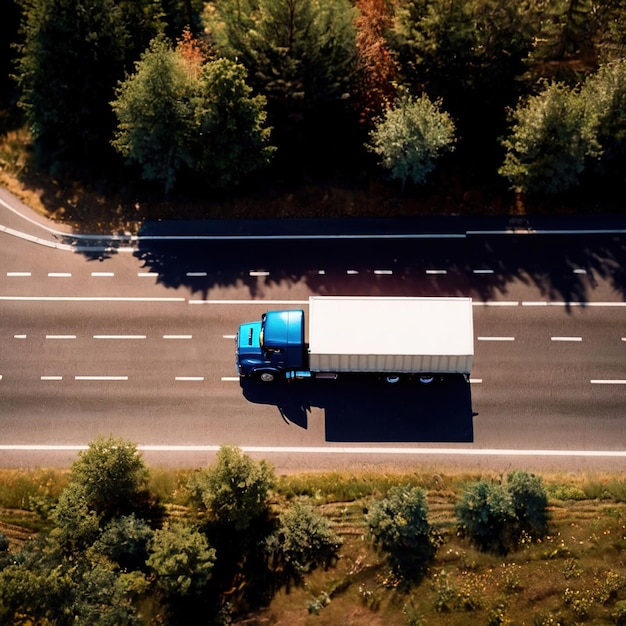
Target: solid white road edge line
[85, 299]
[333, 450]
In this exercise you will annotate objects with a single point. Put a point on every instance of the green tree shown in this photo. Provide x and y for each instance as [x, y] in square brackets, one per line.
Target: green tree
[41, 588]
[399, 526]
[302, 56]
[235, 490]
[411, 136]
[551, 138]
[112, 475]
[303, 541]
[124, 541]
[72, 54]
[77, 524]
[155, 115]
[182, 560]
[298, 50]
[604, 95]
[181, 115]
[233, 140]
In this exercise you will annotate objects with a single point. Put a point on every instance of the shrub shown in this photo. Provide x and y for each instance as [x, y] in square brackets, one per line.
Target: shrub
[234, 490]
[486, 515]
[619, 614]
[303, 541]
[399, 526]
[529, 502]
[497, 516]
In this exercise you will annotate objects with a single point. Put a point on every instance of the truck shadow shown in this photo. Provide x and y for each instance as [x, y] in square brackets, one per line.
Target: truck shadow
[363, 409]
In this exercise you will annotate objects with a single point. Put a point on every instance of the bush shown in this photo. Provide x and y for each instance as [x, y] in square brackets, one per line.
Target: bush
[399, 526]
[411, 136]
[619, 614]
[235, 489]
[496, 516]
[303, 541]
[529, 502]
[486, 515]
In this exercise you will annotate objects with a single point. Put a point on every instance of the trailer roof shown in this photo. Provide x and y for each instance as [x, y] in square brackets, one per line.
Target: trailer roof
[388, 325]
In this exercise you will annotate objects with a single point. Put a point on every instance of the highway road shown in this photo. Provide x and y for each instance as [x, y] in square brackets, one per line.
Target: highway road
[134, 337]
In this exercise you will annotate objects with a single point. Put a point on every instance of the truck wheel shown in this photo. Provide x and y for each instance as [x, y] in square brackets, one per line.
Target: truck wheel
[426, 379]
[267, 377]
[392, 379]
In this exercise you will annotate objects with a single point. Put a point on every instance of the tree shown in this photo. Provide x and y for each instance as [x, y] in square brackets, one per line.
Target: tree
[155, 116]
[235, 489]
[41, 588]
[301, 55]
[399, 526]
[111, 474]
[178, 114]
[411, 136]
[551, 138]
[377, 68]
[73, 53]
[303, 541]
[124, 541]
[294, 50]
[233, 139]
[604, 95]
[181, 559]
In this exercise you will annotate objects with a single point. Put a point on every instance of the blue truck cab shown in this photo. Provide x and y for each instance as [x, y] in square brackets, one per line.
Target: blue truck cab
[273, 346]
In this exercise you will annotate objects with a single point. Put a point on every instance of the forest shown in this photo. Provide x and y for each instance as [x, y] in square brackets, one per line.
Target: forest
[184, 98]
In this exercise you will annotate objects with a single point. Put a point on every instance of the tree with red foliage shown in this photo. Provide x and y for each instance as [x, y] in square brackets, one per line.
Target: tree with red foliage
[377, 68]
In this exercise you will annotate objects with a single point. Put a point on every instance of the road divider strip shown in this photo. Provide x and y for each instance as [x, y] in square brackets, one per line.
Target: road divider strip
[119, 336]
[607, 381]
[566, 338]
[495, 338]
[101, 378]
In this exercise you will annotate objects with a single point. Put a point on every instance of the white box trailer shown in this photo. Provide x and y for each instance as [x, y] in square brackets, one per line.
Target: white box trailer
[391, 335]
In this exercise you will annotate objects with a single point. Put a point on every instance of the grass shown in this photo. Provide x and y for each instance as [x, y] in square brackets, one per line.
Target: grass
[575, 575]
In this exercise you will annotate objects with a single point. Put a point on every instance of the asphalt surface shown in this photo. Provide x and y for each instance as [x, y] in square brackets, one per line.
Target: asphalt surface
[133, 336]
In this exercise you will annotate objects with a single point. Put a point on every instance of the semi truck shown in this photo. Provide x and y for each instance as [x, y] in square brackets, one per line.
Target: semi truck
[393, 337]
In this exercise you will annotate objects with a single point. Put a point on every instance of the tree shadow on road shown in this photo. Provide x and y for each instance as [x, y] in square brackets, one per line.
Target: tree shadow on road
[561, 267]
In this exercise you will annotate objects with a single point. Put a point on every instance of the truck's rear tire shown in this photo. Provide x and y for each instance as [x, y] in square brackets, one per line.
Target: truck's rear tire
[392, 379]
[267, 377]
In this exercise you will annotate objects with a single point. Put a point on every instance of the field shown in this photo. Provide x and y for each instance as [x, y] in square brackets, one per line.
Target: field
[574, 575]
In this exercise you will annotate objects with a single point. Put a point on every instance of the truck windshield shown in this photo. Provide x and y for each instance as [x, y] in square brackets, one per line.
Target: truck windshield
[262, 333]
